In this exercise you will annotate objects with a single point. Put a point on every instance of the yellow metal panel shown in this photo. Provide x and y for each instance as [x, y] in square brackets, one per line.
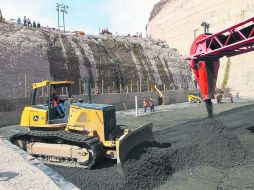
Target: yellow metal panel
[38, 117]
[24, 122]
[40, 84]
[88, 119]
[33, 117]
[58, 125]
[155, 87]
[73, 115]
[46, 82]
[110, 144]
[131, 139]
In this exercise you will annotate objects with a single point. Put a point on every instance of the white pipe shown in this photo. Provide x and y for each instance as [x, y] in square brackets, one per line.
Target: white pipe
[136, 105]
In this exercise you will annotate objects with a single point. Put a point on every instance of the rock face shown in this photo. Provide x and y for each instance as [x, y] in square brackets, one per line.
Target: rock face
[30, 55]
[157, 8]
[179, 21]
[23, 58]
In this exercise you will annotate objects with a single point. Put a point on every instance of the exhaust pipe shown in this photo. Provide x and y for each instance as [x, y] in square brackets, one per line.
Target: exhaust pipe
[88, 83]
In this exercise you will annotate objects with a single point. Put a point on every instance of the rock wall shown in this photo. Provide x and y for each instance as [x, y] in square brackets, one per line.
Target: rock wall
[115, 63]
[22, 58]
[179, 22]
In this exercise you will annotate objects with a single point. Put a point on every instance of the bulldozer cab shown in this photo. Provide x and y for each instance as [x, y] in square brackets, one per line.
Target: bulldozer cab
[59, 90]
[42, 110]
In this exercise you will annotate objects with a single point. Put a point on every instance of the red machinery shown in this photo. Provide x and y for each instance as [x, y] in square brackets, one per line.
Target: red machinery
[207, 49]
[105, 31]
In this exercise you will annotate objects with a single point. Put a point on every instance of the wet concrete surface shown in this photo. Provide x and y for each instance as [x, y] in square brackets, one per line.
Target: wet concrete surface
[191, 152]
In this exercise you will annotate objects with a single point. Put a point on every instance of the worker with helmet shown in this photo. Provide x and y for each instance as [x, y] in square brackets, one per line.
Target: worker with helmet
[145, 104]
[151, 104]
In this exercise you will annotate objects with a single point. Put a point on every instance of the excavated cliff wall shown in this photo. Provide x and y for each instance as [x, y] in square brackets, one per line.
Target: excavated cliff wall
[179, 21]
[114, 63]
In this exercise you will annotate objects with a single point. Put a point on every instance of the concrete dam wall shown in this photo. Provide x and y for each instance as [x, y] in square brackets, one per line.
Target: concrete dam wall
[10, 111]
[112, 63]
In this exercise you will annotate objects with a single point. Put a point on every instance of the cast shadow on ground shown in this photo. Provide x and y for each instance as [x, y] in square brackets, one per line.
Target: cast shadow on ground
[251, 129]
[6, 176]
[105, 163]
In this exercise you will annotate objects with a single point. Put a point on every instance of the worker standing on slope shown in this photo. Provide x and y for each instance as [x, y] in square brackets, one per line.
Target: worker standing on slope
[231, 98]
[237, 95]
[18, 21]
[25, 21]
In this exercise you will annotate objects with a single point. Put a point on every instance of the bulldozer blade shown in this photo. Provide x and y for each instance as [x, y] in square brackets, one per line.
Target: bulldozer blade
[133, 138]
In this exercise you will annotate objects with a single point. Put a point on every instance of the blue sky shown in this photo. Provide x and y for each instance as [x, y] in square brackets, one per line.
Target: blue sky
[122, 16]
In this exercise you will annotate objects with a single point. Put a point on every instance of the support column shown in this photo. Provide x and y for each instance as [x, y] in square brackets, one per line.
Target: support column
[131, 86]
[102, 86]
[25, 87]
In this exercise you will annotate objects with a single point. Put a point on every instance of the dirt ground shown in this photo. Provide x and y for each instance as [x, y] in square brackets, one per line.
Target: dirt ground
[17, 173]
[191, 152]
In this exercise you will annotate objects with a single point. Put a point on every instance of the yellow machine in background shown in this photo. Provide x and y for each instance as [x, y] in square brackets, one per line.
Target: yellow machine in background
[163, 100]
[82, 136]
[195, 97]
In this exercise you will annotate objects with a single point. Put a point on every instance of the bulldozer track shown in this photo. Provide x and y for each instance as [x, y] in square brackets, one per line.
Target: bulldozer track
[71, 138]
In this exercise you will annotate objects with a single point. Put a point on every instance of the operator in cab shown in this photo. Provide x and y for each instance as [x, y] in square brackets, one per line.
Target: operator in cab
[57, 103]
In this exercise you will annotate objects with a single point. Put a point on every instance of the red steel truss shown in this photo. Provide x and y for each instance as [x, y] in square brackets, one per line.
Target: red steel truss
[235, 40]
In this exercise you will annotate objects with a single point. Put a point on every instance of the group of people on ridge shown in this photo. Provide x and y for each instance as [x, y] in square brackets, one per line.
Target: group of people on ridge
[149, 103]
[27, 22]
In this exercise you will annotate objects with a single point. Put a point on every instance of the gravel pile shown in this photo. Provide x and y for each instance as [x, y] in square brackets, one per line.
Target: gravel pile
[205, 142]
[148, 166]
[220, 147]
[212, 144]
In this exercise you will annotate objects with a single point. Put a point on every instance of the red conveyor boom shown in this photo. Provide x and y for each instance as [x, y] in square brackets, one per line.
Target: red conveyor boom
[207, 49]
[235, 40]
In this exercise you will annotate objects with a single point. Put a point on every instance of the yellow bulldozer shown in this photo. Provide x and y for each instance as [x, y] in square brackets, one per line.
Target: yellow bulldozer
[80, 134]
